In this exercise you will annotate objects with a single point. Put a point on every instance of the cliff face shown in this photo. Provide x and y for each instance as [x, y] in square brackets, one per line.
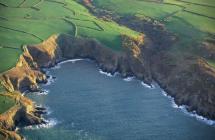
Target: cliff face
[128, 62]
[191, 83]
[186, 81]
[10, 135]
[26, 75]
[23, 113]
[189, 79]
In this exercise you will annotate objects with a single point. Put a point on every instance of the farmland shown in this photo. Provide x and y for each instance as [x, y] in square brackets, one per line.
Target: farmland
[191, 21]
[178, 54]
[33, 21]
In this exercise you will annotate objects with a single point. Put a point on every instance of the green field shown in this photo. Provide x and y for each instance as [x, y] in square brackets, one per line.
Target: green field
[199, 16]
[212, 63]
[1, 88]
[32, 21]
[5, 103]
[192, 21]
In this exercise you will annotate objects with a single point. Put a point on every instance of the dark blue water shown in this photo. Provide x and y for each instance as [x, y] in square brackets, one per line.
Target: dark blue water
[87, 105]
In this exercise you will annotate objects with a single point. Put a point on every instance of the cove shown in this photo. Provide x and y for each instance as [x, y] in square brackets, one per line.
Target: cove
[86, 105]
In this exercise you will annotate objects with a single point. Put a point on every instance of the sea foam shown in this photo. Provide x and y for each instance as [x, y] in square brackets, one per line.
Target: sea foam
[107, 73]
[49, 124]
[147, 86]
[183, 108]
[50, 80]
[42, 92]
[128, 79]
[58, 65]
[70, 60]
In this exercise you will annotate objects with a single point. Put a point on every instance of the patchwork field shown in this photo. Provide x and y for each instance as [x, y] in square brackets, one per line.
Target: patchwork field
[192, 21]
[167, 11]
[187, 26]
[32, 21]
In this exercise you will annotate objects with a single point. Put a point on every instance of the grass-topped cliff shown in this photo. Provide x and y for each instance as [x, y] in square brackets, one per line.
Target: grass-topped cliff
[33, 21]
[178, 53]
[182, 36]
[191, 21]
[24, 22]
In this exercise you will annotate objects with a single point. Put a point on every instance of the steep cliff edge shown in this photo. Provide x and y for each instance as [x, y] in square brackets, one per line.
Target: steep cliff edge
[188, 77]
[24, 76]
[191, 83]
[184, 82]
[23, 113]
[27, 73]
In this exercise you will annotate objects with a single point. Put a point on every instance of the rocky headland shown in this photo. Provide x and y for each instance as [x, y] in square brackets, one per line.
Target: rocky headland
[190, 79]
[23, 113]
[28, 72]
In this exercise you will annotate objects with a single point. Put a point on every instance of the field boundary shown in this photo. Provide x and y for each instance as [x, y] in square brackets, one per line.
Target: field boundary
[22, 32]
[200, 4]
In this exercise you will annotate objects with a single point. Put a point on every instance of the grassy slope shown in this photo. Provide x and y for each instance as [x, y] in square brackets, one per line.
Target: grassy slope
[5, 103]
[132, 7]
[32, 21]
[160, 11]
[192, 23]
[212, 63]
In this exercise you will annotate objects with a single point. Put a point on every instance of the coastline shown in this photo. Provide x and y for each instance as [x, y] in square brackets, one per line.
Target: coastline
[173, 104]
[190, 79]
[29, 70]
[57, 49]
[183, 108]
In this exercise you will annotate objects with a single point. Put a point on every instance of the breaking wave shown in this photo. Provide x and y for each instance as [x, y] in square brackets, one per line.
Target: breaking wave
[183, 108]
[58, 66]
[71, 60]
[148, 86]
[50, 80]
[42, 92]
[128, 79]
[49, 124]
[107, 73]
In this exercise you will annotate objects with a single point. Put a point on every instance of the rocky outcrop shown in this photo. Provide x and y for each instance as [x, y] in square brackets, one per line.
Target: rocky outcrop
[24, 76]
[191, 82]
[9, 135]
[184, 80]
[23, 113]
[128, 62]
[188, 78]
[27, 73]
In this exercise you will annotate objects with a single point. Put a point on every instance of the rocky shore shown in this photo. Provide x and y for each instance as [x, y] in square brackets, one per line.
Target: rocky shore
[23, 113]
[27, 74]
[189, 79]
